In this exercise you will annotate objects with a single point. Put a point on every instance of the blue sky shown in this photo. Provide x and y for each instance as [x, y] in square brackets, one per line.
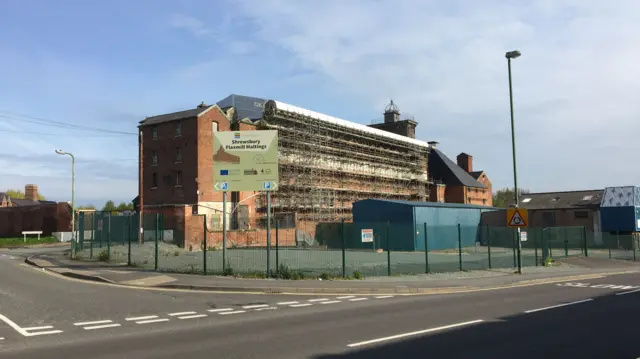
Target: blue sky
[107, 65]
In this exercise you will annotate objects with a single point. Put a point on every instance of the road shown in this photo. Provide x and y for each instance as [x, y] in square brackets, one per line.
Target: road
[594, 319]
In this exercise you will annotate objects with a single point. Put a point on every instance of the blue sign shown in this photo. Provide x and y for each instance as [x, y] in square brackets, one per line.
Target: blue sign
[225, 186]
[224, 172]
[267, 185]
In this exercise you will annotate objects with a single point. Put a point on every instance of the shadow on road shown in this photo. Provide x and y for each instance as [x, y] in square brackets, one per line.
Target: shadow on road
[606, 327]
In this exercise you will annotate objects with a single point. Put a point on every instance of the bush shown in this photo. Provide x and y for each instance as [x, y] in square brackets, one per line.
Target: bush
[357, 275]
[324, 276]
[103, 256]
[228, 271]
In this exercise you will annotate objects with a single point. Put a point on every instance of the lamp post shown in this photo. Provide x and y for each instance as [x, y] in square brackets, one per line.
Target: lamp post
[514, 55]
[73, 191]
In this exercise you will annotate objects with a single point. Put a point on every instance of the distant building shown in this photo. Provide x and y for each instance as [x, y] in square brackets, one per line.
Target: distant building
[31, 214]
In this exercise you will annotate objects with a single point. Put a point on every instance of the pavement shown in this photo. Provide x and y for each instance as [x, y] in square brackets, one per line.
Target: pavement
[571, 268]
[46, 315]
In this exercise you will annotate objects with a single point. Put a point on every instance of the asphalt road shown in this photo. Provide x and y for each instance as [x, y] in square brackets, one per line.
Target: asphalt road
[524, 322]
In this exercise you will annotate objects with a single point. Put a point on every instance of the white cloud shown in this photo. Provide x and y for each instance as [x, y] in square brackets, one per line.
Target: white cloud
[575, 85]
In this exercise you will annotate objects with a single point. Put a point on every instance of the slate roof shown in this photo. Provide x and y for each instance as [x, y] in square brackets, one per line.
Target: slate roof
[246, 106]
[442, 168]
[562, 200]
[174, 116]
[430, 204]
[476, 174]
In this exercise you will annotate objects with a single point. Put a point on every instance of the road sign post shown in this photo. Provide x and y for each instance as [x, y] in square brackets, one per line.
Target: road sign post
[518, 218]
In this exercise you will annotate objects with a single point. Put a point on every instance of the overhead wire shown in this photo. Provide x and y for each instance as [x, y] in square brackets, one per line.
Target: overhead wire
[59, 124]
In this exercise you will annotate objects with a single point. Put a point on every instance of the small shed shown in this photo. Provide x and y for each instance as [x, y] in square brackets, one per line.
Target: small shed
[620, 209]
[405, 222]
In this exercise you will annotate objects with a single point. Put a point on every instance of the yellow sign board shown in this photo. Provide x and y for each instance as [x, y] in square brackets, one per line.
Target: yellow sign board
[517, 217]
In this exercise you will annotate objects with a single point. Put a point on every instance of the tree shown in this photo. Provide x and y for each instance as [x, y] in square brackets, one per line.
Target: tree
[86, 206]
[504, 197]
[18, 194]
[122, 207]
[109, 206]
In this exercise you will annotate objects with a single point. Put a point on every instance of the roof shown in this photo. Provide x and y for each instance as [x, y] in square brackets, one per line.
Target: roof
[281, 106]
[444, 169]
[174, 116]
[246, 106]
[476, 174]
[561, 200]
[429, 204]
[621, 196]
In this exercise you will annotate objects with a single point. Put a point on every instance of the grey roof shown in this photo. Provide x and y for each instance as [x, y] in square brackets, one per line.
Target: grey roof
[246, 106]
[562, 200]
[476, 174]
[442, 168]
[174, 116]
[430, 204]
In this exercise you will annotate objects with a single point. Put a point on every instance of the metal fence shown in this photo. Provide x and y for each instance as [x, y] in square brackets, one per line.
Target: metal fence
[335, 249]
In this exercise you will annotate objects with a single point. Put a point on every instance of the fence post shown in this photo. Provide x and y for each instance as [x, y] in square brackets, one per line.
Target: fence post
[80, 226]
[277, 250]
[109, 238]
[586, 245]
[129, 240]
[460, 246]
[610, 240]
[535, 245]
[155, 241]
[93, 233]
[204, 244]
[101, 228]
[566, 248]
[344, 262]
[426, 249]
[489, 245]
[514, 245]
[388, 250]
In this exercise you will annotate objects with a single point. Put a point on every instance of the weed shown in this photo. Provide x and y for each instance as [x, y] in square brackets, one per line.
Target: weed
[103, 256]
[357, 275]
[176, 253]
[548, 262]
[324, 276]
[228, 271]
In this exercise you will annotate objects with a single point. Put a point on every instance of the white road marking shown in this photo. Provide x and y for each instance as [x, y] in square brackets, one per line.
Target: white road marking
[287, 303]
[234, 312]
[558, 306]
[629, 292]
[413, 333]
[300, 305]
[357, 299]
[346, 297]
[268, 308]
[39, 328]
[1, 338]
[318, 300]
[102, 326]
[220, 310]
[153, 321]
[332, 302]
[255, 306]
[92, 323]
[20, 330]
[384, 296]
[141, 318]
[193, 316]
[181, 313]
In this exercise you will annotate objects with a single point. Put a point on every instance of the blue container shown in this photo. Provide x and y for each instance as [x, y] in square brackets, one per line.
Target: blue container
[620, 209]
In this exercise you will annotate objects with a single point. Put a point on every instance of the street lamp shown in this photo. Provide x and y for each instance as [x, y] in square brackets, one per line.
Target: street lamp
[73, 191]
[514, 55]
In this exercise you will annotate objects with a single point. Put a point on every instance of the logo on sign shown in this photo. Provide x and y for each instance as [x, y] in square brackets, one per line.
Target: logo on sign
[224, 186]
[236, 135]
[267, 185]
[224, 172]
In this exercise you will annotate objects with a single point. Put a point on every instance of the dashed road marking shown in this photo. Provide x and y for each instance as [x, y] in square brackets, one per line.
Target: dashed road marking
[255, 306]
[102, 326]
[300, 305]
[331, 302]
[629, 292]
[384, 296]
[558, 306]
[93, 323]
[318, 300]
[141, 318]
[234, 312]
[357, 299]
[267, 308]
[287, 303]
[39, 328]
[1, 338]
[220, 310]
[193, 316]
[346, 297]
[153, 321]
[181, 313]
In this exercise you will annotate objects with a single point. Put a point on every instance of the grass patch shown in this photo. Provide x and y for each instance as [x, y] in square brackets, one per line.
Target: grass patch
[19, 241]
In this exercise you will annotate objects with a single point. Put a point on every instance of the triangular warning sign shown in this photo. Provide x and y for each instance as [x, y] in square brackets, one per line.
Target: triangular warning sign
[517, 220]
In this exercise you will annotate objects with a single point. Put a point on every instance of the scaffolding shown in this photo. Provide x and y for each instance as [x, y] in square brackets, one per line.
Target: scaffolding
[326, 164]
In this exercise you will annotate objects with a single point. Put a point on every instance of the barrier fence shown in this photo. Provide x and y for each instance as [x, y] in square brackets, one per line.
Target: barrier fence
[334, 249]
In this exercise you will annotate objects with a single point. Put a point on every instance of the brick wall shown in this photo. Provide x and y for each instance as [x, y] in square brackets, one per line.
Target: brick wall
[47, 218]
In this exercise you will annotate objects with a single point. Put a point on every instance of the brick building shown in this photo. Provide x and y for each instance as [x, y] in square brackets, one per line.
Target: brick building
[457, 182]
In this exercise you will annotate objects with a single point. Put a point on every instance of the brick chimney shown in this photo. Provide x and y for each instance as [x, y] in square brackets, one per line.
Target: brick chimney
[31, 192]
[465, 162]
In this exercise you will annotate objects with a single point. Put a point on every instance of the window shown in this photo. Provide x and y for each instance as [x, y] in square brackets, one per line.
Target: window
[178, 179]
[214, 127]
[526, 200]
[154, 158]
[154, 180]
[581, 214]
[178, 155]
[587, 198]
[484, 202]
[154, 133]
[179, 129]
